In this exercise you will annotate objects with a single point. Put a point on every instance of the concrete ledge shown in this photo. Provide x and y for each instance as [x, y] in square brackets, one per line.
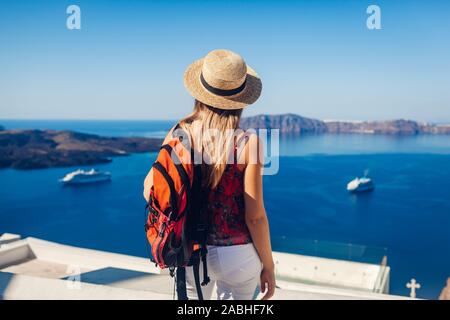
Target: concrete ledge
[15, 252]
[22, 287]
[6, 238]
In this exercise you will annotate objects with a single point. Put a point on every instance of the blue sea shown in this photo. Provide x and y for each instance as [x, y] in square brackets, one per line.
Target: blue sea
[406, 218]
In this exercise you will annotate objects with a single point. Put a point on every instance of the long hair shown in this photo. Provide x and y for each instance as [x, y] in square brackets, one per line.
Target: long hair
[215, 138]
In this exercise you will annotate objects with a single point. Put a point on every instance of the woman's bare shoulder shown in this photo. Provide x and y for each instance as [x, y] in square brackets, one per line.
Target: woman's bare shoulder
[251, 148]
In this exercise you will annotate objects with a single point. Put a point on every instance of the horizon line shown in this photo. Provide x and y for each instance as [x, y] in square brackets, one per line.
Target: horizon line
[256, 115]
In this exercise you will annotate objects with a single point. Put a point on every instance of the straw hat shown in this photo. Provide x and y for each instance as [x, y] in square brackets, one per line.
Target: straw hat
[222, 79]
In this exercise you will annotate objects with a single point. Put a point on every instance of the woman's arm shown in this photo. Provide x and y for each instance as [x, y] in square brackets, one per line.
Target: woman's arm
[148, 183]
[255, 213]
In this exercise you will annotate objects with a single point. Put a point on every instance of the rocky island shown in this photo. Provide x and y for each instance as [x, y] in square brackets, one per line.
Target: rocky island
[295, 124]
[32, 149]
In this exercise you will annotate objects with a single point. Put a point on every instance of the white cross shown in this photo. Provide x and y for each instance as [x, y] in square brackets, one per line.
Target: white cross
[413, 285]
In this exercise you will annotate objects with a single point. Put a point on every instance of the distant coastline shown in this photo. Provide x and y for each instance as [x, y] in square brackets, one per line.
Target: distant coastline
[35, 149]
[295, 124]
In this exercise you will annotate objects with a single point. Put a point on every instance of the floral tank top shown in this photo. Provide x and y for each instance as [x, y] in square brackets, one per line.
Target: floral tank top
[226, 210]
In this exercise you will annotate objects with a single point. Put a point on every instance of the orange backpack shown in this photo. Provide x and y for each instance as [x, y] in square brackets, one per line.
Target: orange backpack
[176, 221]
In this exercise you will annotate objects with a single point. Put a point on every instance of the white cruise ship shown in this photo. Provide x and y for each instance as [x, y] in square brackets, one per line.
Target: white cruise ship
[81, 177]
[360, 185]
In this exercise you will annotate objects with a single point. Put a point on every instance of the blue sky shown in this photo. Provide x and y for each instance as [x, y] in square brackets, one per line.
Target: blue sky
[316, 58]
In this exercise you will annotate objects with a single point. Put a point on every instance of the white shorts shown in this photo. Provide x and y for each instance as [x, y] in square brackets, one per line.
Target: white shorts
[234, 270]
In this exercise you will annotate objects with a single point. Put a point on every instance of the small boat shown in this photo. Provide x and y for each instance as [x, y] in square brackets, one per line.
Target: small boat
[81, 177]
[360, 185]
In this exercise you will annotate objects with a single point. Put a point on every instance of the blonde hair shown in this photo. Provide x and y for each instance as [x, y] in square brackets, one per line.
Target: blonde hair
[213, 120]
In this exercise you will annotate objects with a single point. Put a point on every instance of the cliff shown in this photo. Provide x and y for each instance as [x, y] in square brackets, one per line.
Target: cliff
[287, 123]
[30, 149]
[294, 124]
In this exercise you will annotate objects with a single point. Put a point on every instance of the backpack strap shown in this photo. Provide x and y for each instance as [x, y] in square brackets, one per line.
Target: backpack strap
[203, 252]
[181, 283]
[180, 169]
[196, 269]
[201, 224]
[173, 200]
[200, 254]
